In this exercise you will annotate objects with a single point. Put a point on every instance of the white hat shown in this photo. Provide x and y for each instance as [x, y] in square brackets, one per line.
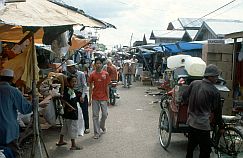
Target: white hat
[7, 73]
[70, 63]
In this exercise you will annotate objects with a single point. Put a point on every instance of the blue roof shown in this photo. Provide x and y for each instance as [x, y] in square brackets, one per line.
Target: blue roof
[179, 47]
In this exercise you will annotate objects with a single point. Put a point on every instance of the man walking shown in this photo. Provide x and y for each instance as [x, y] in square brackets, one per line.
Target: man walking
[99, 81]
[203, 100]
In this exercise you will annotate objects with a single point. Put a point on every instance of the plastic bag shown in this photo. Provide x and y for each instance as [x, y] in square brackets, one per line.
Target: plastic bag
[81, 127]
[24, 120]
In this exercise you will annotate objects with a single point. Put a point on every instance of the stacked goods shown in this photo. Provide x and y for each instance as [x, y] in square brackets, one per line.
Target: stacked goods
[176, 61]
[194, 66]
[145, 78]
[222, 56]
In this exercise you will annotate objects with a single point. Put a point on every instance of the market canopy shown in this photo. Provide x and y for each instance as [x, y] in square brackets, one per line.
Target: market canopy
[15, 34]
[44, 13]
[174, 48]
[78, 43]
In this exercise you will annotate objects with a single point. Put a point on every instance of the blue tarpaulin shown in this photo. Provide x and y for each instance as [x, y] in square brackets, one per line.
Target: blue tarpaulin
[179, 47]
[189, 48]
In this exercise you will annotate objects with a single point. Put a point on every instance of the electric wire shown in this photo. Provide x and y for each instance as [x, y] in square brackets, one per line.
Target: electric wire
[201, 18]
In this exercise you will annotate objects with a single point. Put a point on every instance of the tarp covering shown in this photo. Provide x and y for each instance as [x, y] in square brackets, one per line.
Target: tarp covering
[180, 47]
[41, 13]
[145, 52]
[78, 43]
[22, 66]
[15, 34]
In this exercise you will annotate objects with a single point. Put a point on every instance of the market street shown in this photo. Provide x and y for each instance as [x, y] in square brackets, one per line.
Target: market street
[132, 131]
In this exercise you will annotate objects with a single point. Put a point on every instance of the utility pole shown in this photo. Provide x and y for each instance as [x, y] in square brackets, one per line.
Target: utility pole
[131, 40]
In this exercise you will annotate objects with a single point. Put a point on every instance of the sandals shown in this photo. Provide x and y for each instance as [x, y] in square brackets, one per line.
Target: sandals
[61, 144]
[76, 148]
[96, 136]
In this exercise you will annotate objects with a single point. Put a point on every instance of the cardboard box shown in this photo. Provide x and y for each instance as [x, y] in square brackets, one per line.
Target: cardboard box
[211, 62]
[214, 56]
[227, 107]
[227, 57]
[227, 75]
[226, 49]
[224, 66]
[218, 48]
[229, 84]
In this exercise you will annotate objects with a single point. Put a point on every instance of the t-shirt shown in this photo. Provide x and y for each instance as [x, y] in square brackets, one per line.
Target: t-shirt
[100, 80]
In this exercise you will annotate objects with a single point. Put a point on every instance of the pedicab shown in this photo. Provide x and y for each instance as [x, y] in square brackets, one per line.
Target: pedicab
[173, 116]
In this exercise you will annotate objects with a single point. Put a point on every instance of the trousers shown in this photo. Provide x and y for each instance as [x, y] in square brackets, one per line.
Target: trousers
[85, 110]
[98, 124]
[201, 138]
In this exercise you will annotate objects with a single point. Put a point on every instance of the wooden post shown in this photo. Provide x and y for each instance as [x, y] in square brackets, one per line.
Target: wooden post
[38, 143]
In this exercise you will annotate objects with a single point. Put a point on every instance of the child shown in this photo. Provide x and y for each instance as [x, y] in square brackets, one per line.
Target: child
[70, 124]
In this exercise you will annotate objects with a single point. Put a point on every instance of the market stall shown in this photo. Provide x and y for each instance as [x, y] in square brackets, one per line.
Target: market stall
[29, 21]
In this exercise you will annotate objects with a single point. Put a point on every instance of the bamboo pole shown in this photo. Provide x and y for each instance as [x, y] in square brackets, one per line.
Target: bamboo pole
[37, 151]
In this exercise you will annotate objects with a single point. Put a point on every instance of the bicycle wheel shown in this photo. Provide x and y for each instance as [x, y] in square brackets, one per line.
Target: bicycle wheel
[163, 100]
[165, 128]
[230, 142]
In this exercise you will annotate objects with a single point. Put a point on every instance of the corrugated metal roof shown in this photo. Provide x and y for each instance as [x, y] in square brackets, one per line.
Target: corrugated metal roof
[170, 34]
[177, 25]
[191, 22]
[222, 27]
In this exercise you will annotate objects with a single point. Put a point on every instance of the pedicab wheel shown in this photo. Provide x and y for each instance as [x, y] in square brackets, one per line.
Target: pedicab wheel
[165, 128]
[162, 100]
[230, 142]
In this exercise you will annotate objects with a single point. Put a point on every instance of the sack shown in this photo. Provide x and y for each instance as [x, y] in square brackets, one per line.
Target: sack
[50, 114]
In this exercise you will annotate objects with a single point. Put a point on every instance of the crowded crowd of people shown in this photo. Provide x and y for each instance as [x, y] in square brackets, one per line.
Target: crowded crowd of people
[76, 89]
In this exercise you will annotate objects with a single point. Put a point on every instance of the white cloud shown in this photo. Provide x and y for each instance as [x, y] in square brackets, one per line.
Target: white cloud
[142, 16]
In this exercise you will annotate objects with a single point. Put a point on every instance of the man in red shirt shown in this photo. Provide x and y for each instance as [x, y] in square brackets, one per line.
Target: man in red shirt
[99, 81]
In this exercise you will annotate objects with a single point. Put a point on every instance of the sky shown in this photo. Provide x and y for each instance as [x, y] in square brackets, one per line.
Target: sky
[136, 18]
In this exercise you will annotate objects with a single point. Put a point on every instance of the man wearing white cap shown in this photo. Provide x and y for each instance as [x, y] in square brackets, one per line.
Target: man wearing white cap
[81, 92]
[11, 101]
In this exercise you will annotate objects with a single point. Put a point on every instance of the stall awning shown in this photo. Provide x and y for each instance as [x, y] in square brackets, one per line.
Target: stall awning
[78, 43]
[43, 13]
[15, 34]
